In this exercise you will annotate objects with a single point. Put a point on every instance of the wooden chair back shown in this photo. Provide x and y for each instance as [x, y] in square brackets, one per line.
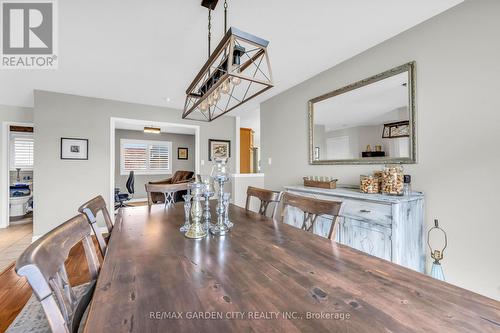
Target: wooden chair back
[312, 208]
[266, 197]
[91, 208]
[168, 191]
[42, 263]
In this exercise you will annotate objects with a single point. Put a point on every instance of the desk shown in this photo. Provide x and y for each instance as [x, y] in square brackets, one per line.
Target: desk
[266, 277]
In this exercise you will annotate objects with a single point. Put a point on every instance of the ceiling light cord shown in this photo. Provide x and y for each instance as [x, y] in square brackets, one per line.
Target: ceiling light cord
[209, 30]
[225, 16]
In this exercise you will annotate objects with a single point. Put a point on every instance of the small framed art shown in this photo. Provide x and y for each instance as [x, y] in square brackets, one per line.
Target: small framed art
[182, 153]
[74, 149]
[219, 149]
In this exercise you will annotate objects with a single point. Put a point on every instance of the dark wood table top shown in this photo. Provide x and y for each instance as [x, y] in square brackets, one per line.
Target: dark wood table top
[265, 276]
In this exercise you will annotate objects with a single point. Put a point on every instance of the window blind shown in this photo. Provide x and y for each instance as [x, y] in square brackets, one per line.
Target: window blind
[145, 157]
[159, 157]
[22, 147]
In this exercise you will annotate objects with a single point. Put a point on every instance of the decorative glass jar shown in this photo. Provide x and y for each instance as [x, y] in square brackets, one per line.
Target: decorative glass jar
[393, 180]
[368, 184]
[220, 170]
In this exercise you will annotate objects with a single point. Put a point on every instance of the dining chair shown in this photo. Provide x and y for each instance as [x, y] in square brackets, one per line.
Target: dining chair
[42, 263]
[312, 208]
[265, 197]
[90, 209]
[168, 191]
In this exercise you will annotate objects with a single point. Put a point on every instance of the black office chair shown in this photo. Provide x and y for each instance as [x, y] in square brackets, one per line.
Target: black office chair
[120, 198]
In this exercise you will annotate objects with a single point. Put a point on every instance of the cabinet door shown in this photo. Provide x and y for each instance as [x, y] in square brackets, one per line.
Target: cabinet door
[367, 237]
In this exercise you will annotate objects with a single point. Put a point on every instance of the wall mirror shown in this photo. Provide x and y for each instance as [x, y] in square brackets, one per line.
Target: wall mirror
[369, 122]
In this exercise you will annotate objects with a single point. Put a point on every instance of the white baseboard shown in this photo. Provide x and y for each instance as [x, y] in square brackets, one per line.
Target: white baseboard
[137, 200]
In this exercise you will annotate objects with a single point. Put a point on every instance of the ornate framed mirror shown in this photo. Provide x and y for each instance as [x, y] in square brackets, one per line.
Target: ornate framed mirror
[368, 122]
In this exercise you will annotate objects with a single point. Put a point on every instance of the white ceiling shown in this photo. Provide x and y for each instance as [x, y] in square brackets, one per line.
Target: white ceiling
[149, 51]
[373, 104]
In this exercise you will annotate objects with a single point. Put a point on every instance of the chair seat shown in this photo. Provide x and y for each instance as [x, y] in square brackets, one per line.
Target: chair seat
[32, 317]
[122, 196]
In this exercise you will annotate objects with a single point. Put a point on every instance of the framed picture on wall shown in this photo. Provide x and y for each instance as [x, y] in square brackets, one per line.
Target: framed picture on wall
[219, 149]
[74, 149]
[182, 153]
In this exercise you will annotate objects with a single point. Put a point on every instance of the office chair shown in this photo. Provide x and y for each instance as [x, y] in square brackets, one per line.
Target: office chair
[120, 198]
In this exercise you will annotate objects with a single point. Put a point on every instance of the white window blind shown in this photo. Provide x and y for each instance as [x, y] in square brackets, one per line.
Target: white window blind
[21, 151]
[145, 157]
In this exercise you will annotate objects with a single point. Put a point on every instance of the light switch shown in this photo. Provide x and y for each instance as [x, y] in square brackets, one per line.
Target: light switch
[269, 161]
[202, 162]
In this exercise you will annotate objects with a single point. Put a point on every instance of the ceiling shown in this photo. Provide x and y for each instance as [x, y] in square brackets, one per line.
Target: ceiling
[149, 51]
[374, 104]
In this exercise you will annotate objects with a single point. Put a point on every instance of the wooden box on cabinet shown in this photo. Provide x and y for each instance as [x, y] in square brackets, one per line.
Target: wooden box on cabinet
[388, 227]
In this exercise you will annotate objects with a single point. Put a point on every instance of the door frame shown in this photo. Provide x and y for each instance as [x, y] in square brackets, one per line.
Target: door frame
[5, 176]
[112, 165]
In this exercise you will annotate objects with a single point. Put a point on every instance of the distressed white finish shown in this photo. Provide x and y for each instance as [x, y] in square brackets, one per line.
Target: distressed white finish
[388, 227]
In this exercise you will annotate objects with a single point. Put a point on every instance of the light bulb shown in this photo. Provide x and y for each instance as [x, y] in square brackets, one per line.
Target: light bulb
[235, 80]
[216, 95]
[225, 87]
[211, 100]
[204, 105]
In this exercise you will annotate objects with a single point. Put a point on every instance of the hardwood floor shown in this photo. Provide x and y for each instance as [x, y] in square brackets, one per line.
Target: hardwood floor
[137, 203]
[15, 290]
[13, 241]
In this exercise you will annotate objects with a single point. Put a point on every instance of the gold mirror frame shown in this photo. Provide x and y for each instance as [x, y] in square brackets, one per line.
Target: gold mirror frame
[410, 68]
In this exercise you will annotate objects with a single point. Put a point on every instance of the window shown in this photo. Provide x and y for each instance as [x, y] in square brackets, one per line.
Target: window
[21, 151]
[145, 157]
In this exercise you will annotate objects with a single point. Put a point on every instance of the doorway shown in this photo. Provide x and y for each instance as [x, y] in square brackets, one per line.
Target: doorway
[16, 225]
[180, 142]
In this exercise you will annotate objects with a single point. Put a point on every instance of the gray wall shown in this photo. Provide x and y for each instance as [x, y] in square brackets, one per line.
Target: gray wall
[62, 185]
[458, 116]
[10, 114]
[178, 140]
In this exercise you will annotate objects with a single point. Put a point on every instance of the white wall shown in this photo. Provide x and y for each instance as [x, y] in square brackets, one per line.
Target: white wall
[458, 119]
[9, 114]
[251, 119]
[239, 186]
[62, 185]
[178, 140]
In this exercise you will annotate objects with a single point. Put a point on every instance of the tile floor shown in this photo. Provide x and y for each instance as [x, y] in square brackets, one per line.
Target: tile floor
[13, 241]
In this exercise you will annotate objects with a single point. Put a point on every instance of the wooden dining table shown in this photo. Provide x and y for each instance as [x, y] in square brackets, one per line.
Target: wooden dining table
[265, 276]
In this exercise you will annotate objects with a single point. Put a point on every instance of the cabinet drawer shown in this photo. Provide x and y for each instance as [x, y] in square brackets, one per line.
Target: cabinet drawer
[368, 211]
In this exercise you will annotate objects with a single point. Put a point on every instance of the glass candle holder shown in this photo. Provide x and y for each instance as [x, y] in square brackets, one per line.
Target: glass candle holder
[220, 175]
[207, 194]
[187, 212]
[227, 222]
[196, 229]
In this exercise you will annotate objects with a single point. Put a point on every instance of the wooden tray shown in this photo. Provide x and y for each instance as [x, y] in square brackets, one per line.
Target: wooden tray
[321, 184]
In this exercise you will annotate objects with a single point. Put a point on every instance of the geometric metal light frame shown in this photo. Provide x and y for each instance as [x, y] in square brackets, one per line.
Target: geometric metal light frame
[237, 71]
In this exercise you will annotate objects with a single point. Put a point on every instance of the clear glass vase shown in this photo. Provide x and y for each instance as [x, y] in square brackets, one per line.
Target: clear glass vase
[187, 212]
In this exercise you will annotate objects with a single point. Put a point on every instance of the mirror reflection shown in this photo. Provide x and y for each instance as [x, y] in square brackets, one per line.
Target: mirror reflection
[369, 123]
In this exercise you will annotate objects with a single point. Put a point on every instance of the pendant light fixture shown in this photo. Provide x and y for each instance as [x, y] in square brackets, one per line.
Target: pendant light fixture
[237, 71]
